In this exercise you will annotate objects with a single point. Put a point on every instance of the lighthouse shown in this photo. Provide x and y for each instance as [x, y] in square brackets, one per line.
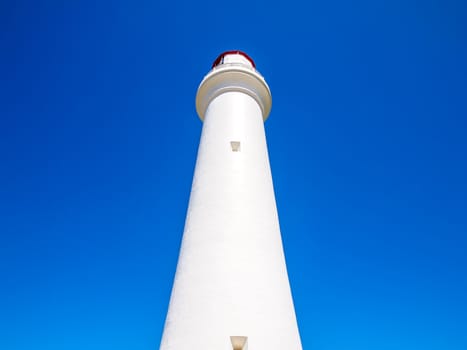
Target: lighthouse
[231, 290]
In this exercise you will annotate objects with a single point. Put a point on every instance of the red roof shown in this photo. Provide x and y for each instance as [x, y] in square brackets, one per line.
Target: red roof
[233, 52]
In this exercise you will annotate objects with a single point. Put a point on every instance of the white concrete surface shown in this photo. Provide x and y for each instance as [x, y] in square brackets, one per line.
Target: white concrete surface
[231, 280]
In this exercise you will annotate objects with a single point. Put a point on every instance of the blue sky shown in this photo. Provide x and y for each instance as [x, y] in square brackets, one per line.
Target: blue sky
[367, 142]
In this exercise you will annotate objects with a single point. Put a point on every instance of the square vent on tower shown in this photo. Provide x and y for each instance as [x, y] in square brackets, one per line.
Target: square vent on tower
[235, 146]
[239, 342]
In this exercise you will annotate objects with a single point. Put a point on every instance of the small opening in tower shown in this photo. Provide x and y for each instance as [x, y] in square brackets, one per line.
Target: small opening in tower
[235, 146]
[239, 342]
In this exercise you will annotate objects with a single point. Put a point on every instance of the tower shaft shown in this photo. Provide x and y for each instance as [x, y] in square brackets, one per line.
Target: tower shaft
[231, 278]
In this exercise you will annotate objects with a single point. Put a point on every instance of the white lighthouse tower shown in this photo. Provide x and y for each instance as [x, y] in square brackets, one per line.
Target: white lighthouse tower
[231, 289]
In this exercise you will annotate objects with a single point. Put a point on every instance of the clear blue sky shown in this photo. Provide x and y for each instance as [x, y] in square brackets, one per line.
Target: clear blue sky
[368, 147]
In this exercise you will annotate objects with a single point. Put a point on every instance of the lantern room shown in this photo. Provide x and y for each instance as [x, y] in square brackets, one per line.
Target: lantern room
[235, 57]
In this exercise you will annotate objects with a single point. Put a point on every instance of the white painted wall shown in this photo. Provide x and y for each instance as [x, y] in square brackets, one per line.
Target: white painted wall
[231, 277]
